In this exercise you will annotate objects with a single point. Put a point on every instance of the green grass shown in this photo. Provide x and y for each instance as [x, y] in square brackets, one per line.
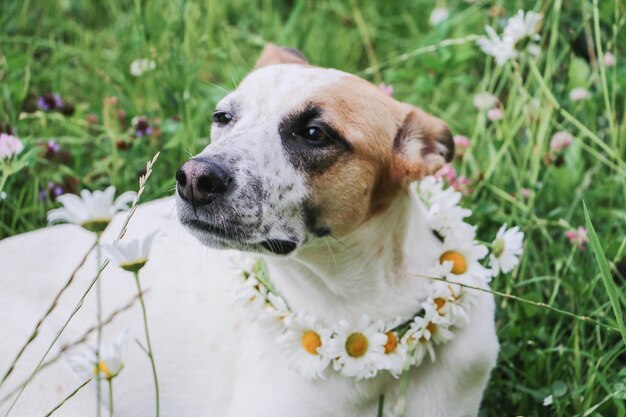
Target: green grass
[83, 49]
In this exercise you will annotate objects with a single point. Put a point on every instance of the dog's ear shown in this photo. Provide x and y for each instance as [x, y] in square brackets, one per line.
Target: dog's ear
[273, 54]
[422, 145]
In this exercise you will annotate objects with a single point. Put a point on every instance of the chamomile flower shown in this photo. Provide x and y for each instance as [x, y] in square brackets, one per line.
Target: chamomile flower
[240, 262]
[438, 325]
[522, 26]
[358, 351]
[419, 336]
[108, 363]
[275, 313]
[93, 211]
[131, 255]
[304, 342]
[501, 48]
[395, 350]
[448, 301]
[459, 261]
[507, 248]
[251, 293]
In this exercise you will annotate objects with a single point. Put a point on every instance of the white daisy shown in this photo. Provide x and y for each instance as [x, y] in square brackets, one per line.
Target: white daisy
[438, 325]
[109, 364]
[419, 336]
[522, 25]
[507, 248]
[251, 293]
[358, 351]
[304, 341]
[459, 262]
[447, 298]
[93, 211]
[395, 353]
[240, 262]
[446, 216]
[274, 313]
[131, 255]
[502, 49]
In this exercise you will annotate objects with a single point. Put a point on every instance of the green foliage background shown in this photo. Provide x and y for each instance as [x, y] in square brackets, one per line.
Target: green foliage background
[83, 49]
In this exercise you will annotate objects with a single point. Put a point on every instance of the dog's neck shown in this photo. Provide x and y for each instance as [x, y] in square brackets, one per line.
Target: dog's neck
[370, 271]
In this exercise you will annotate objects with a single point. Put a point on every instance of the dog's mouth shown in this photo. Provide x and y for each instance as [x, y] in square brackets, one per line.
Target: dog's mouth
[275, 246]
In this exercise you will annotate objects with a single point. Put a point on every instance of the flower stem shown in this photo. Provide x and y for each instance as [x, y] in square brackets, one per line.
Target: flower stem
[99, 328]
[149, 344]
[110, 397]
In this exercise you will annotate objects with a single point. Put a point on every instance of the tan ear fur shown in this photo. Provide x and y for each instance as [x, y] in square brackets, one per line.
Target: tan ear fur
[273, 55]
[422, 145]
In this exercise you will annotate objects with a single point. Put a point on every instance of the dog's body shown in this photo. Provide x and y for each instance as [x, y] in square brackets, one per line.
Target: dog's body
[334, 200]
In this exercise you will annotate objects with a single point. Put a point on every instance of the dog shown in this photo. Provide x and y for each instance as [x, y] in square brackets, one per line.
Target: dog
[311, 168]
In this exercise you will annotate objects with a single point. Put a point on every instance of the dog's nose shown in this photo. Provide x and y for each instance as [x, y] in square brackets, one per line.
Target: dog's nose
[201, 180]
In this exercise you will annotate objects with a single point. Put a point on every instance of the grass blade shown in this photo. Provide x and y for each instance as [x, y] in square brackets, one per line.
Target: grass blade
[605, 273]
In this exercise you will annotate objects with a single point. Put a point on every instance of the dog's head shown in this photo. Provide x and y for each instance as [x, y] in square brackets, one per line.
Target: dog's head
[299, 152]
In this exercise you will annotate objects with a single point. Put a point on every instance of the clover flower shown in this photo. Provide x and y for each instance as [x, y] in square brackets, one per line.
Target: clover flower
[506, 249]
[50, 102]
[461, 143]
[495, 114]
[485, 101]
[578, 237]
[579, 94]
[93, 211]
[131, 255]
[10, 146]
[561, 141]
[609, 59]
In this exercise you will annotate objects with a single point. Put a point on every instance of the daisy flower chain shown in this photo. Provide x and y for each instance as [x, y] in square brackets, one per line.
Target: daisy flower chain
[364, 348]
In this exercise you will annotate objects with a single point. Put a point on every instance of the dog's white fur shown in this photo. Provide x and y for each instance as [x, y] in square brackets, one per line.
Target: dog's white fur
[213, 360]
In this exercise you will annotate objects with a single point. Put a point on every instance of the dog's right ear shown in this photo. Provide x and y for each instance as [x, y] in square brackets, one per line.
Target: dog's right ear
[274, 54]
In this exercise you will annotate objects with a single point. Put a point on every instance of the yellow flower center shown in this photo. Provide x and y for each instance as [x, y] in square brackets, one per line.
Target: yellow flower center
[431, 327]
[440, 302]
[459, 264]
[102, 367]
[311, 341]
[392, 342]
[356, 345]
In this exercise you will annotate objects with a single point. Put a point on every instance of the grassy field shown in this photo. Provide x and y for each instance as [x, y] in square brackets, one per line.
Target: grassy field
[83, 50]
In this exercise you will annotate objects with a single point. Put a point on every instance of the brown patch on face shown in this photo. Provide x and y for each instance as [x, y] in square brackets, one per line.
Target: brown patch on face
[358, 185]
[392, 144]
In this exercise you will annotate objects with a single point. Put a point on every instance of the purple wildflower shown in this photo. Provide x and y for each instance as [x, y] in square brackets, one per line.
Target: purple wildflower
[52, 190]
[142, 128]
[49, 102]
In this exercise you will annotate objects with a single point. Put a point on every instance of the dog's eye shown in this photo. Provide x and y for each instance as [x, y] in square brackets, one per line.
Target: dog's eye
[222, 117]
[315, 134]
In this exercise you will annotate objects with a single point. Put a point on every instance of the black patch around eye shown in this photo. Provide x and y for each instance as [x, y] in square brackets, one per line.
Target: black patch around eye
[305, 154]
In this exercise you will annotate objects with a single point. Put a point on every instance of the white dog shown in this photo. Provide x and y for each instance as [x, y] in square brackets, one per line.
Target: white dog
[310, 167]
